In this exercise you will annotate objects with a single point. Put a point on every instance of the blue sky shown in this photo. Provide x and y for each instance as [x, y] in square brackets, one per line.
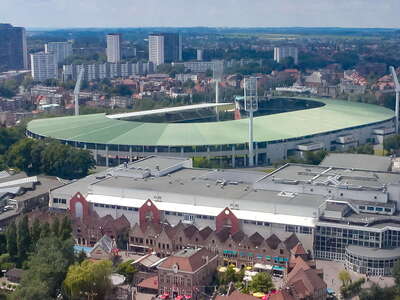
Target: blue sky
[182, 13]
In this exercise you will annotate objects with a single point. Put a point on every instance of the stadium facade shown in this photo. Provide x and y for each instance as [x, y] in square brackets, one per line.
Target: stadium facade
[342, 214]
[333, 125]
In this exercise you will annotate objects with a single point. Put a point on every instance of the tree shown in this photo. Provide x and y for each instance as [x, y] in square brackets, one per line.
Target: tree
[261, 282]
[228, 276]
[375, 292]
[127, 269]
[45, 230]
[352, 289]
[3, 243]
[5, 262]
[344, 277]
[19, 154]
[396, 275]
[89, 277]
[65, 228]
[55, 227]
[23, 239]
[80, 257]
[47, 268]
[316, 157]
[391, 143]
[35, 231]
[35, 290]
[11, 235]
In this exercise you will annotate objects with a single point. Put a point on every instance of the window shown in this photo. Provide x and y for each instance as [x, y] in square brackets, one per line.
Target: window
[388, 210]
[362, 207]
[379, 208]
[211, 217]
[370, 208]
[167, 213]
[188, 217]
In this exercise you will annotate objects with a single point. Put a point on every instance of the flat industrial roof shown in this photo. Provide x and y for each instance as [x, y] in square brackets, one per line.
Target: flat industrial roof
[98, 128]
[191, 191]
[348, 176]
[357, 161]
[374, 252]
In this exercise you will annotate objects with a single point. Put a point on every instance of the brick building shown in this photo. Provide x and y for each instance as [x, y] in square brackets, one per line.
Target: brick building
[187, 272]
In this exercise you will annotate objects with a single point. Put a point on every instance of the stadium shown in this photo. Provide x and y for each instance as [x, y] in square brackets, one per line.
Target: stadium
[293, 126]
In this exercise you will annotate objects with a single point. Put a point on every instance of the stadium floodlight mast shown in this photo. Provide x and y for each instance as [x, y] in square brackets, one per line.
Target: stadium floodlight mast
[397, 91]
[218, 70]
[250, 105]
[77, 90]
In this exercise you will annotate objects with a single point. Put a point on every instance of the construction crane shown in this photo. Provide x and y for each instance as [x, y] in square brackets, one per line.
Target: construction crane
[397, 90]
[77, 90]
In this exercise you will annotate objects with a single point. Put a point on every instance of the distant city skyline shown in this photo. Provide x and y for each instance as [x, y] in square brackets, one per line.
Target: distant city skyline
[184, 13]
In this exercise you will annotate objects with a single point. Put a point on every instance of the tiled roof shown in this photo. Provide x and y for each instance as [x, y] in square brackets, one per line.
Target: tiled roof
[187, 263]
[256, 239]
[149, 283]
[273, 241]
[238, 236]
[223, 234]
[282, 295]
[291, 241]
[298, 250]
[190, 231]
[205, 232]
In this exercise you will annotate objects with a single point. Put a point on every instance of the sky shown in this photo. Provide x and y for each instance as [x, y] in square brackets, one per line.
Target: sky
[212, 13]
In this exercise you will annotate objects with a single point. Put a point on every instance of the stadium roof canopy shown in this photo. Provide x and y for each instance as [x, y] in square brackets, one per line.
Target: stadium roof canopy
[98, 128]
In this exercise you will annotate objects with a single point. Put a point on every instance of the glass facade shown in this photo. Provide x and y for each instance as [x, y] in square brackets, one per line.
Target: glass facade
[371, 266]
[330, 242]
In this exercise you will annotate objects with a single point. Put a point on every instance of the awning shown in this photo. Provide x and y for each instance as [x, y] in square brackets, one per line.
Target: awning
[139, 246]
[262, 266]
[278, 268]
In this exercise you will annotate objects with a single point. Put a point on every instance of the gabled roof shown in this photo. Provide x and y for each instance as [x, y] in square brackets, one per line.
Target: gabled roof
[105, 243]
[190, 231]
[188, 260]
[256, 239]
[223, 234]
[291, 241]
[149, 283]
[121, 223]
[273, 241]
[238, 236]
[205, 232]
[300, 265]
[282, 295]
[298, 250]
[307, 282]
